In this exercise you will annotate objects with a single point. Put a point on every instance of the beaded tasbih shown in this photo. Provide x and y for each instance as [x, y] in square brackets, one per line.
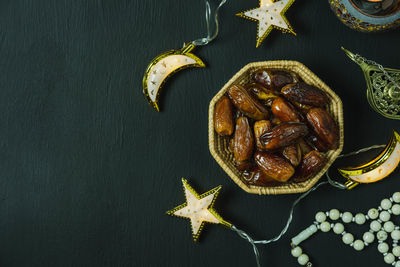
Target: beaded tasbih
[380, 226]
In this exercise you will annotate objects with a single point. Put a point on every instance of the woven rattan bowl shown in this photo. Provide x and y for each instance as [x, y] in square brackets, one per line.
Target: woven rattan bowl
[219, 146]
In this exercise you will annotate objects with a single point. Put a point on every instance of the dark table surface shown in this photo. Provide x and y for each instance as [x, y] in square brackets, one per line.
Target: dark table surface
[88, 168]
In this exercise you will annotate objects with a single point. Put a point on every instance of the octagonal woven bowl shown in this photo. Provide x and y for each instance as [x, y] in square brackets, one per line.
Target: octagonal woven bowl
[219, 145]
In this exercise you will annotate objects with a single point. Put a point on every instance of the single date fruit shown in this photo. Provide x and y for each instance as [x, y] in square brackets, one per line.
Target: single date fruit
[246, 103]
[292, 153]
[243, 140]
[311, 163]
[301, 107]
[304, 147]
[256, 176]
[275, 79]
[261, 127]
[274, 166]
[283, 135]
[284, 111]
[262, 93]
[316, 143]
[305, 94]
[223, 117]
[324, 127]
[244, 165]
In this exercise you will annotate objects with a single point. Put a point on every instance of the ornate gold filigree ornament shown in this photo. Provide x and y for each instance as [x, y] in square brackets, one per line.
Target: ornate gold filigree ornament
[383, 86]
[367, 15]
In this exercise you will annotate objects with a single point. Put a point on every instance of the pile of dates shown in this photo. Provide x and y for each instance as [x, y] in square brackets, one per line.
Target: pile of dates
[279, 128]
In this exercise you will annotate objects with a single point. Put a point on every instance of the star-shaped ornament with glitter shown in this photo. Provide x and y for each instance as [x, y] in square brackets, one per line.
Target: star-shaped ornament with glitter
[270, 14]
[199, 209]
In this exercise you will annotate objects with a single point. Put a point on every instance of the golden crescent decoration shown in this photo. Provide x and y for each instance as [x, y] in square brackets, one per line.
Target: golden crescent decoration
[377, 169]
[164, 66]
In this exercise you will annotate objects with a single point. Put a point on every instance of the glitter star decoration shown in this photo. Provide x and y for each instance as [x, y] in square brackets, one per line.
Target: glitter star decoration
[198, 209]
[270, 14]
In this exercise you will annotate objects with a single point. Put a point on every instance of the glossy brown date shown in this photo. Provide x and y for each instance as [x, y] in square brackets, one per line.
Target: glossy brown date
[301, 107]
[243, 140]
[246, 103]
[304, 147]
[311, 163]
[244, 165]
[292, 153]
[223, 117]
[305, 94]
[275, 79]
[261, 127]
[284, 111]
[324, 127]
[274, 166]
[256, 176]
[316, 143]
[262, 93]
[283, 135]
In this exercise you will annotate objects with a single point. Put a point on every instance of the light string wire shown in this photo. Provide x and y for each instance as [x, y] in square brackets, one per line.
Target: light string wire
[330, 181]
[209, 38]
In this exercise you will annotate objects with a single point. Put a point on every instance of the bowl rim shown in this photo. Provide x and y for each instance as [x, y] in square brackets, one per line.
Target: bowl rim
[302, 71]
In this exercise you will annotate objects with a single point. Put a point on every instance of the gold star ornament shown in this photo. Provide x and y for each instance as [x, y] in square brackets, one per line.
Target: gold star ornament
[270, 14]
[199, 209]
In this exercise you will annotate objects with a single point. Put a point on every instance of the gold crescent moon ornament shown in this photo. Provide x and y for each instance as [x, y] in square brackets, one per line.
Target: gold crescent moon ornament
[164, 66]
[378, 168]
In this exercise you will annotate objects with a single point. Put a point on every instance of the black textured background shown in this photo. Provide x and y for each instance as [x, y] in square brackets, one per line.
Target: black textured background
[88, 169]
